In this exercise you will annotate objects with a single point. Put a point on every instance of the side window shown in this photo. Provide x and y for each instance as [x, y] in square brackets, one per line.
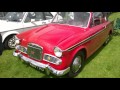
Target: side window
[97, 18]
[48, 15]
[39, 16]
[35, 16]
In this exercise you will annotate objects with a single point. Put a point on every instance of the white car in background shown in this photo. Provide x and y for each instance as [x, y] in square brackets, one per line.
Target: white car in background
[16, 22]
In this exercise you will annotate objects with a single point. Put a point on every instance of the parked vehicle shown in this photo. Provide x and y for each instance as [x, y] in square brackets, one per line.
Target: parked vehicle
[61, 48]
[16, 22]
[2, 14]
[1, 45]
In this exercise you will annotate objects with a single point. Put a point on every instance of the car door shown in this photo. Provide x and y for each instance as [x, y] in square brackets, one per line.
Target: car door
[97, 34]
[35, 19]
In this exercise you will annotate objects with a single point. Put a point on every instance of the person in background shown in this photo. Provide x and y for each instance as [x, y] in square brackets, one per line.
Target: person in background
[1, 45]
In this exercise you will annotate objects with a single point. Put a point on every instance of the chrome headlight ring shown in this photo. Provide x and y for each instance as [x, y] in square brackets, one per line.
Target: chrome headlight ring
[58, 52]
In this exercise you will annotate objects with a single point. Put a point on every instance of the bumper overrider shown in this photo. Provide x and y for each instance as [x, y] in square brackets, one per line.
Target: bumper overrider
[44, 67]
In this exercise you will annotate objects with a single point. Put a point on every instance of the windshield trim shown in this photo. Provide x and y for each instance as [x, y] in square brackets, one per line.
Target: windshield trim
[89, 20]
[25, 16]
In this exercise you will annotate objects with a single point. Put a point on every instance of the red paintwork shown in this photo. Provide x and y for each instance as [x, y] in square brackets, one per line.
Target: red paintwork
[64, 37]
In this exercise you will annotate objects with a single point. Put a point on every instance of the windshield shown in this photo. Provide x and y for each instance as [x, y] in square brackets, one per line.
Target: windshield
[73, 18]
[14, 16]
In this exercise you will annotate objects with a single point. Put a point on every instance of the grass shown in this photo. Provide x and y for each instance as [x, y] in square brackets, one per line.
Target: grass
[12, 67]
[105, 63]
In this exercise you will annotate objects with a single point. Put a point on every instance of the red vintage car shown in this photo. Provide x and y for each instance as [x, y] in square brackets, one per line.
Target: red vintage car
[61, 48]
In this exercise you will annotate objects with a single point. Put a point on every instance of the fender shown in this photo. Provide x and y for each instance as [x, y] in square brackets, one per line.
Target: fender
[6, 34]
[75, 51]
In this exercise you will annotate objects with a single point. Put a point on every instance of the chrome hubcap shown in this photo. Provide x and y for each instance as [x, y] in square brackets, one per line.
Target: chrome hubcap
[11, 43]
[76, 64]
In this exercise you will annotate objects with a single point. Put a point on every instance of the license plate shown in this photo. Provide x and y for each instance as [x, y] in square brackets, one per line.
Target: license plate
[33, 65]
[36, 67]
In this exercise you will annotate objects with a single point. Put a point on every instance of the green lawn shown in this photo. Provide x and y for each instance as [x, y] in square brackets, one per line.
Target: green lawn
[105, 63]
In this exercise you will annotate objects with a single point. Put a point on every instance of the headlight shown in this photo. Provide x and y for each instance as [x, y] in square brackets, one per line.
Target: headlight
[58, 52]
[21, 48]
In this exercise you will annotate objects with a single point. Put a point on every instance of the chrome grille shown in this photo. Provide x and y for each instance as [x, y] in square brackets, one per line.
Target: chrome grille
[34, 51]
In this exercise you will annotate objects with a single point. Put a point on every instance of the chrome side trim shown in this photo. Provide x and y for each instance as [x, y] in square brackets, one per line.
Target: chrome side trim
[84, 41]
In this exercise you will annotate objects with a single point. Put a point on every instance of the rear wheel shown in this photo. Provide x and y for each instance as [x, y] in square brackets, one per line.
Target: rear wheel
[9, 42]
[77, 64]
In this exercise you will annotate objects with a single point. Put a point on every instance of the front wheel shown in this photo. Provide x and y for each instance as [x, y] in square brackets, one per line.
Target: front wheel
[77, 64]
[9, 42]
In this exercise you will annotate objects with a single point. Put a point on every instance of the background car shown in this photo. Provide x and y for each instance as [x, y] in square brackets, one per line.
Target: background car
[1, 45]
[62, 47]
[16, 22]
[2, 14]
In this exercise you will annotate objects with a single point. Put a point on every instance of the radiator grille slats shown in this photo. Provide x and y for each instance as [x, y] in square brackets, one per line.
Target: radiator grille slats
[34, 51]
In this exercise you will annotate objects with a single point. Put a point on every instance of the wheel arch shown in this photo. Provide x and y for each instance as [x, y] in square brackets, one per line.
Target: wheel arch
[7, 34]
[77, 50]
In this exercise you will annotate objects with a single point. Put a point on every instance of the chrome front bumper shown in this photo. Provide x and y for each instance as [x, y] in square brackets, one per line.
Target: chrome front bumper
[44, 67]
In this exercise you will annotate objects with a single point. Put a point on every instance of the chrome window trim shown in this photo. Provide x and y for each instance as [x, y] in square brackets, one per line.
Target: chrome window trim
[79, 26]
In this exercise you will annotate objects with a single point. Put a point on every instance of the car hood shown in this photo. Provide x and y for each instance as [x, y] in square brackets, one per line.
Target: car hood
[7, 25]
[50, 35]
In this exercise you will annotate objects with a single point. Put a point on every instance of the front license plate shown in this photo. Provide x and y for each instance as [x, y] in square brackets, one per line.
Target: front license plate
[36, 67]
[33, 65]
